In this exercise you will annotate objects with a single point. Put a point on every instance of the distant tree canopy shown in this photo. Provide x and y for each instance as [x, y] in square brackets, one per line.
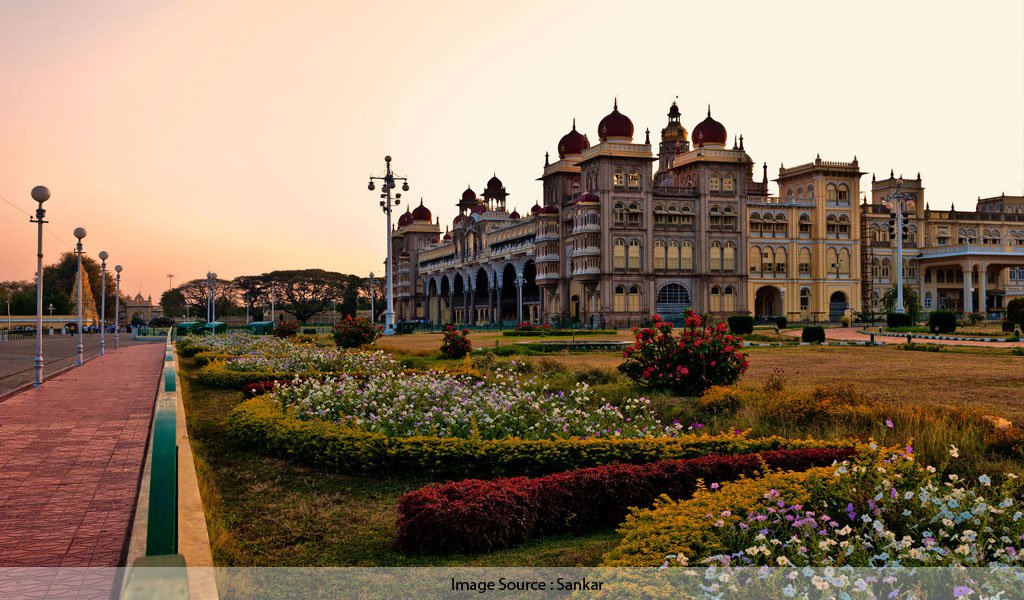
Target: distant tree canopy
[302, 293]
[911, 305]
[58, 287]
[194, 297]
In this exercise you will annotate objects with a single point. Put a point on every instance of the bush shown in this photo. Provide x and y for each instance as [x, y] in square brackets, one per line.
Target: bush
[942, 321]
[845, 320]
[720, 400]
[922, 347]
[1015, 311]
[261, 425]
[251, 390]
[781, 322]
[204, 358]
[741, 324]
[283, 329]
[456, 343]
[688, 364]
[895, 319]
[1009, 326]
[476, 516]
[814, 334]
[540, 332]
[216, 375]
[355, 332]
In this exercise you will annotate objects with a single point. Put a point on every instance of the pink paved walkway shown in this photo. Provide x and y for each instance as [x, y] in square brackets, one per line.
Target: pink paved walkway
[71, 455]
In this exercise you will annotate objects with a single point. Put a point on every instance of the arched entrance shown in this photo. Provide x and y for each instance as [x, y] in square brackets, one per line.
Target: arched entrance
[531, 293]
[837, 306]
[481, 297]
[507, 300]
[673, 300]
[768, 302]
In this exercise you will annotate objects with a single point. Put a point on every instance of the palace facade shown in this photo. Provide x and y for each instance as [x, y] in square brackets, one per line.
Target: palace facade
[628, 229]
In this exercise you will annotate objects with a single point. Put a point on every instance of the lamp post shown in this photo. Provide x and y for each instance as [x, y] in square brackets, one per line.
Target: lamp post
[373, 313]
[117, 307]
[80, 234]
[273, 292]
[8, 315]
[211, 306]
[40, 194]
[50, 308]
[899, 204]
[103, 301]
[389, 180]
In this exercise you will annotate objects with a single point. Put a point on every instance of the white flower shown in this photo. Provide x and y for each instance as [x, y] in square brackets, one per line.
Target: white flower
[953, 451]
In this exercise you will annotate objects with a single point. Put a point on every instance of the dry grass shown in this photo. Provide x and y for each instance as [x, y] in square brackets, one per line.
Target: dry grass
[480, 339]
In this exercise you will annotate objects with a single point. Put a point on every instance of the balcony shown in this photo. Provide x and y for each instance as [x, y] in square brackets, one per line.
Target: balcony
[586, 251]
[550, 278]
[546, 237]
[590, 228]
[546, 258]
[675, 192]
[587, 272]
[962, 250]
[776, 201]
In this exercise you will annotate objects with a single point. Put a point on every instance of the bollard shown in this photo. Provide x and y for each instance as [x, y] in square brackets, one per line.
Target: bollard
[872, 338]
[169, 384]
[910, 339]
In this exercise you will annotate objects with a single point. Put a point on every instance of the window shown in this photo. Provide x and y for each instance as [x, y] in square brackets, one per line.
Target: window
[843, 195]
[660, 255]
[832, 227]
[660, 215]
[686, 256]
[767, 261]
[927, 299]
[633, 301]
[755, 224]
[780, 260]
[844, 262]
[715, 217]
[619, 213]
[716, 299]
[780, 225]
[755, 260]
[633, 262]
[633, 216]
[619, 254]
[714, 183]
[728, 219]
[618, 178]
[805, 299]
[716, 256]
[940, 276]
[673, 256]
[831, 194]
[927, 275]
[909, 269]
[728, 184]
[805, 262]
[875, 268]
[844, 227]
[805, 225]
[634, 178]
[912, 235]
[729, 258]
[728, 300]
[686, 217]
[885, 268]
[620, 298]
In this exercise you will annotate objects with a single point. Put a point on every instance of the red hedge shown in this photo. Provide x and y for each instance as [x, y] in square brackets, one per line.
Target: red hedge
[474, 515]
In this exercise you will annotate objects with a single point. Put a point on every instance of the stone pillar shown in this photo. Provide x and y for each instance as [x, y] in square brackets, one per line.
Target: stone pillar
[451, 306]
[519, 299]
[465, 305]
[472, 306]
[968, 270]
[983, 268]
[540, 307]
[496, 315]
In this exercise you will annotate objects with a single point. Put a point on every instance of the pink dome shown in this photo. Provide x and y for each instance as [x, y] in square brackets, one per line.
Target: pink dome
[709, 131]
[615, 125]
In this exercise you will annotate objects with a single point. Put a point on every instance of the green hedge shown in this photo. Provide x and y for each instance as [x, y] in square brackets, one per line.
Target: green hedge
[898, 320]
[549, 332]
[741, 324]
[215, 375]
[942, 321]
[204, 358]
[813, 334]
[1015, 311]
[261, 425]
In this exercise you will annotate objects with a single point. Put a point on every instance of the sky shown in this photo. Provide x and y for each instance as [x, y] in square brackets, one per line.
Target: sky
[237, 137]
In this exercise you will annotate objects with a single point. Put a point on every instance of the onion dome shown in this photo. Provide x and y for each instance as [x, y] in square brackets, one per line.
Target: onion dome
[421, 213]
[513, 215]
[536, 210]
[616, 126]
[588, 198]
[494, 184]
[458, 219]
[549, 210]
[469, 194]
[405, 219]
[709, 131]
[447, 236]
[572, 143]
[478, 209]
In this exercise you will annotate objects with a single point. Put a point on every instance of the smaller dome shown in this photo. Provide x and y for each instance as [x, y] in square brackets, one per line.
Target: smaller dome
[615, 125]
[447, 236]
[549, 210]
[588, 198]
[405, 219]
[478, 209]
[458, 219]
[513, 215]
[536, 210]
[572, 143]
[421, 213]
[469, 195]
[494, 184]
[709, 131]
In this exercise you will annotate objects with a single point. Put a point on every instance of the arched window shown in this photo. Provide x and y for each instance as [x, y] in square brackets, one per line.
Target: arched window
[876, 270]
[634, 178]
[660, 255]
[715, 256]
[728, 300]
[729, 258]
[767, 261]
[686, 216]
[831, 194]
[755, 260]
[660, 215]
[805, 299]
[832, 226]
[832, 262]
[619, 254]
[755, 224]
[633, 301]
[780, 225]
[940, 276]
[729, 219]
[780, 260]
[789, 194]
[715, 217]
[805, 225]
[673, 299]
[909, 269]
[620, 298]
[885, 268]
[686, 256]
[728, 185]
[800, 192]
[927, 299]
[673, 256]
[844, 226]
[805, 262]
[618, 178]
[844, 262]
[619, 213]
[716, 299]
[633, 257]
[843, 195]
[714, 183]
[633, 216]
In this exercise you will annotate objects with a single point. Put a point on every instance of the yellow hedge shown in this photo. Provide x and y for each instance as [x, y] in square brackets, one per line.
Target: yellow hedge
[260, 424]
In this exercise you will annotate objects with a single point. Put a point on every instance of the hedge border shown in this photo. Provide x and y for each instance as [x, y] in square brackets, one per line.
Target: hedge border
[261, 425]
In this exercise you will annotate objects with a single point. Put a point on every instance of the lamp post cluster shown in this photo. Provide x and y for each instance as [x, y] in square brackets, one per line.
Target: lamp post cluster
[389, 184]
[41, 194]
[899, 205]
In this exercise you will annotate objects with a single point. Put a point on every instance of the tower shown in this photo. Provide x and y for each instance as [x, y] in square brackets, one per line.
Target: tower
[674, 139]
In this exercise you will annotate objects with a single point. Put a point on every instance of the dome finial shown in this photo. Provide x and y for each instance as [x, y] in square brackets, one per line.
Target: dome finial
[574, 123]
[648, 133]
[615, 105]
[709, 110]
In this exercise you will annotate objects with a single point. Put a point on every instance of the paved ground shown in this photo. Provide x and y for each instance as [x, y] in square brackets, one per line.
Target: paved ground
[852, 334]
[71, 455]
[17, 357]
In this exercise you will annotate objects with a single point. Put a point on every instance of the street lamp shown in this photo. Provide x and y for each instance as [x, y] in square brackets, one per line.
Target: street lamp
[103, 301]
[389, 180]
[211, 307]
[50, 308]
[899, 204]
[373, 313]
[40, 194]
[80, 234]
[117, 306]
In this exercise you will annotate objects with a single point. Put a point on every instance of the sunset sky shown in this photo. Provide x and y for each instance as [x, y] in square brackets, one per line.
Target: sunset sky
[238, 136]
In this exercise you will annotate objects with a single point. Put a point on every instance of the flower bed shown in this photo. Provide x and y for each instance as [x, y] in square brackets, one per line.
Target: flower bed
[235, 343]
[475, 516]
[260, 424]
[878, 510]
[307, 359]
[447, 405]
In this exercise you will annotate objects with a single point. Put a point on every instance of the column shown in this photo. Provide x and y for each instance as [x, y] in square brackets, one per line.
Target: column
[451, 306]
[540, 307]
[465, 305]
[982, 308]
[968, 270]
[519, 299]
[496, 314]
[472, 306]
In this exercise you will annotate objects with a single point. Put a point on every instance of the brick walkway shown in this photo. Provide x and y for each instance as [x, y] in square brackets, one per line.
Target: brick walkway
[71, 455]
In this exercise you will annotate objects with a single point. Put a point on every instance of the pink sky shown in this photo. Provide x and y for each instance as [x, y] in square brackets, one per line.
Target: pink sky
[238, 136]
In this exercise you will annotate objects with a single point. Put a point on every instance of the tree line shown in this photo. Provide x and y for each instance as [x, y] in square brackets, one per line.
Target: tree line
[58, 287]
[300, 293]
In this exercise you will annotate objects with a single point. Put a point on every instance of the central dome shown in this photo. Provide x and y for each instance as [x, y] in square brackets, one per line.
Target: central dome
[421, 213]
[616, 126]
[709, 131]
[572, 143]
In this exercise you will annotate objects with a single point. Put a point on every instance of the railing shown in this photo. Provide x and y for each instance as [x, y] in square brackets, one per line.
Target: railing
[777, 201]
[963, 249]
[683, 192]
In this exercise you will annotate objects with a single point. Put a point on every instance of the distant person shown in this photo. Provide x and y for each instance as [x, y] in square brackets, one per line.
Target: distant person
[603, 322]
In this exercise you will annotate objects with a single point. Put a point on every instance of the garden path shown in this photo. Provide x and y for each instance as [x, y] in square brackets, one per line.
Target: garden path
[853, 334]
[71, 457]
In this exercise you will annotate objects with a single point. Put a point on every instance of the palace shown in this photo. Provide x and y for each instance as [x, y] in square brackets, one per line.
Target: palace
[624, 233]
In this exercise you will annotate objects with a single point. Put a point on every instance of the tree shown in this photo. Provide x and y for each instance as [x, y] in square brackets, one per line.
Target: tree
[60, 278]
[377, 289]
[911, 305]
[173, 303]
[194, 296]
[305, 292]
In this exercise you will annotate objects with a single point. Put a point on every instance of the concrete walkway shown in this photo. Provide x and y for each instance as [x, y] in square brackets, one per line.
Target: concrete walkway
[71, 456]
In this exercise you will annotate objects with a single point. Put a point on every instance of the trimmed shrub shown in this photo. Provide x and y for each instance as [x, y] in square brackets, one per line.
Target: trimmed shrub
[1009, 326]
[893, 320]
[456, 343]
[204, 358]
[261, 425]
[283, 329]
[814, 334]
[781, 322]
[355, 332]
[477, 516]
[687, 364]
[741, 324]
[942, 321]
[1015, 311]
[251, 390]
[216, 375]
